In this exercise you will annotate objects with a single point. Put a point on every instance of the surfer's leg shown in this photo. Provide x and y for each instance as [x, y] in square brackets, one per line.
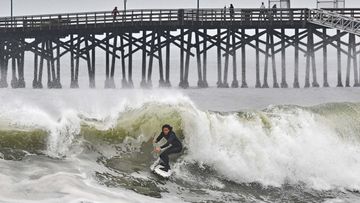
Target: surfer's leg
[165, 155]
[165, 158]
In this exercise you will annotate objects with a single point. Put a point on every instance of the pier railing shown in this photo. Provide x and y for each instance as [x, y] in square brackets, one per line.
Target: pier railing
[148, 17]
[349, 22]
[176, 17]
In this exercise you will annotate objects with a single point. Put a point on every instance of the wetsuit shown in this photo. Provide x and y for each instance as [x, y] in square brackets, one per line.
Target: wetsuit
[176, 147]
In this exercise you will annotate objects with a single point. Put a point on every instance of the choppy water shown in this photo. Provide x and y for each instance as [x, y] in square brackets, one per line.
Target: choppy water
[59, 146]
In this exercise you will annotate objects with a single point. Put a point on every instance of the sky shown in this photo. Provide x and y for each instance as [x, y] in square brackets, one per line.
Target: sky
[33, 7]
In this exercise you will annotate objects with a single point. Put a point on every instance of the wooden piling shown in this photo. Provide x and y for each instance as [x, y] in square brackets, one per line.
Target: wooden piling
[182, 57]
[296, 71]
[3, 66]
[355, 62]
[235, 82]
[275, 83]
[75, 83]
[219, 68]
[313, 61]
[243, 59]
[257, 61]
[111, 83]
[349, 55]
[167, 65]
[35, 80]
[266, 66]
[339, 76]
[227, 55]
[14, 79]
[283, 61]
[130, 61]
[325, 59]
[143, 69]
[187, 61]
[161, 66]
[124, 83]
[151, 60]
[204, 80]
[198, 60]
[107, 61]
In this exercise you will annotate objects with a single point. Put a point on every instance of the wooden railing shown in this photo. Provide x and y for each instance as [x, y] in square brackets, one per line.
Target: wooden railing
[144, 17]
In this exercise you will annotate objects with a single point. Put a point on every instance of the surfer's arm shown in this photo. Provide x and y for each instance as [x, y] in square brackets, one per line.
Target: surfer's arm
[165, 145]
[159, 138]
[169, 142]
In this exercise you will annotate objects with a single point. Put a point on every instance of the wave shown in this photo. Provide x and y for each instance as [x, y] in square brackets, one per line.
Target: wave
[318, 146]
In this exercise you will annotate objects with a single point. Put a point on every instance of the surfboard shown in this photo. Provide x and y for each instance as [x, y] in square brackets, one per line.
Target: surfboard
[156, 169]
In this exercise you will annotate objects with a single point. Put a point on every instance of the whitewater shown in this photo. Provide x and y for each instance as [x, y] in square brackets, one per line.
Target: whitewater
[241, 145]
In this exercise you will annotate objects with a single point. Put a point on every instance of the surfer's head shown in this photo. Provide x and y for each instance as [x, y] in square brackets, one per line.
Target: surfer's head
[166, 129]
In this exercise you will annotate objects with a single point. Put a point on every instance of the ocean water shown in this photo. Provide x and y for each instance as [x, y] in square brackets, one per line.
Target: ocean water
[241, 145]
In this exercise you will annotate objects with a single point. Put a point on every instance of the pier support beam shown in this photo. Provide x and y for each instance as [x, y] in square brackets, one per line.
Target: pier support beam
[37, 81]
[275, 83]
[243, 59]
[57, 83]
[205, 83]
[235, 82]
[352, 58]
[355, 62]
[17, 80]
[143, 67]
[310, 57]
[3, 66]
[325, 60]
[151, 61]
[124, 83]
[219, 68]
[257, 62]
[161, 64]
[198, 60]
[74, 81]
[14, 79]
[339, 75]
[266, 66]
[227, 55]
[187, 61]
[182, 58]
[270, 45]
[296, 71]
[283, 61]
[167, 63]
[111, 79]
[130, 61]
[90, 57]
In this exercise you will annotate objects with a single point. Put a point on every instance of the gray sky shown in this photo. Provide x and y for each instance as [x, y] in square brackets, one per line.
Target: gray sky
[24, 7]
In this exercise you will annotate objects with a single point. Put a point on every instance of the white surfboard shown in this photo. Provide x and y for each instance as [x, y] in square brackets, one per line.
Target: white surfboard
[156, 168]
[164, 174]
[156, 163]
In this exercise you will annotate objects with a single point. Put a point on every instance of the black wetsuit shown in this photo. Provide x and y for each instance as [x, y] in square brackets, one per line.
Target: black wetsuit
[176, 147]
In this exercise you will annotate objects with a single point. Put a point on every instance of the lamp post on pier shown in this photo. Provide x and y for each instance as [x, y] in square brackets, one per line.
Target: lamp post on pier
[197, 9]
[11, 12]
[125, 2]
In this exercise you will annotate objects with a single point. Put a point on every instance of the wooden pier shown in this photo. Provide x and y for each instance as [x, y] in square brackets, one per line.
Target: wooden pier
[153, 33]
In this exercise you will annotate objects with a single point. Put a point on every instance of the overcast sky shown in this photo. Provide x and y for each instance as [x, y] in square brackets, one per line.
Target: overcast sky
[25, 7]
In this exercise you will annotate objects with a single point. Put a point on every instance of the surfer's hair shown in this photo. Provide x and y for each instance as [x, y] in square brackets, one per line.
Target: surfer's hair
[167, 126]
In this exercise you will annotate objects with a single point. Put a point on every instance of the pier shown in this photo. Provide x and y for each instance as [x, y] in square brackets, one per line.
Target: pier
[50, 39]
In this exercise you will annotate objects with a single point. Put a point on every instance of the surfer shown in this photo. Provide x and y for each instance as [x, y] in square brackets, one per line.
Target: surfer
[173, 146]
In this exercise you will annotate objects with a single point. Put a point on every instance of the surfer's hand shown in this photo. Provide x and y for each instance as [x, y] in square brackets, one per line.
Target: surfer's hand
[157, 149]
